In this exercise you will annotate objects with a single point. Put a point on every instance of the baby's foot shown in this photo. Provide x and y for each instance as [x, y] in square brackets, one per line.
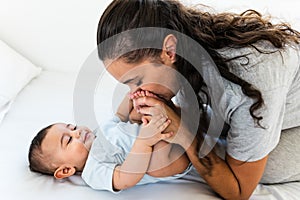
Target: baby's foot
[142, 93]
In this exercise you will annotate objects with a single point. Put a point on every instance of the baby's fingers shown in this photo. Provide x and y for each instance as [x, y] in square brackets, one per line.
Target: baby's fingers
[164, 125]
[165, 136]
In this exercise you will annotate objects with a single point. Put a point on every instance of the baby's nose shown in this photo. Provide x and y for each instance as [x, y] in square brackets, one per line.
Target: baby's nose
[76, 133]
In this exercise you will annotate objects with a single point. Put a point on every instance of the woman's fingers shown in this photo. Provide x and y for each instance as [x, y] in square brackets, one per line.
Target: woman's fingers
[145, 110]
[144, 121]
[153, 111]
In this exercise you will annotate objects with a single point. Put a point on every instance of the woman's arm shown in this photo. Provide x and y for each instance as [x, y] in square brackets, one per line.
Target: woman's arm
[132, 170]
[230, 178]
[167, 160]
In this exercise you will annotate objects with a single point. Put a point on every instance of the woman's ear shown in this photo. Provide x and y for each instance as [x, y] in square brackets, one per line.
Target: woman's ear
[64, 171]
[168, 55]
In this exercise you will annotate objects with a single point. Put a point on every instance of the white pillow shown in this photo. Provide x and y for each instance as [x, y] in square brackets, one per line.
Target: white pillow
[15, 73]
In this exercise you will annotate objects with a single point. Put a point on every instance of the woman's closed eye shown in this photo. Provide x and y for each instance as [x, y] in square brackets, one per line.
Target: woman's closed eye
[139, 82]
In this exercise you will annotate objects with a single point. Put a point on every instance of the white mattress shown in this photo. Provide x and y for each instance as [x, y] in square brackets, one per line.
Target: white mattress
[48, 99]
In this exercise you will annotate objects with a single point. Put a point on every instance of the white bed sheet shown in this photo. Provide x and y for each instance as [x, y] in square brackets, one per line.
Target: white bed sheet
[48, 99]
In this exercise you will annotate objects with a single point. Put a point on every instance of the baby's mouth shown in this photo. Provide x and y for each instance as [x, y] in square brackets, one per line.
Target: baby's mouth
[87, 139]
[84, 136]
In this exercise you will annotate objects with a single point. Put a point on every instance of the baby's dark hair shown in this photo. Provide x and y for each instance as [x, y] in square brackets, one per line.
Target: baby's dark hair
[38, 162]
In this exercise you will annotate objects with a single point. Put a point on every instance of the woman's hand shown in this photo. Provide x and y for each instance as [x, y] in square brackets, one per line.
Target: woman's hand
[135, 117]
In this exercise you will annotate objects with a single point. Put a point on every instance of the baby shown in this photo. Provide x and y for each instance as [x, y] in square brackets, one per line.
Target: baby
[116, 156]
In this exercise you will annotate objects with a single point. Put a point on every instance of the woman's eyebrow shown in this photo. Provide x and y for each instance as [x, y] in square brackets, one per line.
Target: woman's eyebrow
[129, 80]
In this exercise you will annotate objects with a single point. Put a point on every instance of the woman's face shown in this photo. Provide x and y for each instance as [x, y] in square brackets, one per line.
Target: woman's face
[157, 78]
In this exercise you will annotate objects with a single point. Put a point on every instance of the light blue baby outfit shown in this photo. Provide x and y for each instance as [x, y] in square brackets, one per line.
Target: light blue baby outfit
[113, 142]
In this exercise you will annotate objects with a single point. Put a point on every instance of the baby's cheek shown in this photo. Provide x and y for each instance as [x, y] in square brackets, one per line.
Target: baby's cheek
[83, 154]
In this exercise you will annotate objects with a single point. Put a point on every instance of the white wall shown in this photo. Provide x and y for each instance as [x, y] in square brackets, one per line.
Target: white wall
[61, 34]
[52, 33]
[286, 10]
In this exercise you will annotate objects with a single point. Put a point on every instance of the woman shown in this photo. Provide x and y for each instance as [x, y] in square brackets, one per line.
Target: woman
[259, 65]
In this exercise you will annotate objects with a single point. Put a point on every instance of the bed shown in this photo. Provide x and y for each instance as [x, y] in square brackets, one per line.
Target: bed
[48, 42]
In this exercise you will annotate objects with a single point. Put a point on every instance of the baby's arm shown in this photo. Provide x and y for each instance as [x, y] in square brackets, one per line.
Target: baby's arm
[167, 159]
[126, 112]
[132, 170]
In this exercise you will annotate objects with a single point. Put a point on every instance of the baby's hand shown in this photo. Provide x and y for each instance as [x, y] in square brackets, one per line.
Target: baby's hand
[151, 132]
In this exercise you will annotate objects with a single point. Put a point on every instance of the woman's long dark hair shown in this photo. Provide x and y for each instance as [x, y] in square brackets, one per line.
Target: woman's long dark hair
[211, 31]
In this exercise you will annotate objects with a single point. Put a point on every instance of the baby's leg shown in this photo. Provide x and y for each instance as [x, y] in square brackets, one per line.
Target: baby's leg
[167, 160]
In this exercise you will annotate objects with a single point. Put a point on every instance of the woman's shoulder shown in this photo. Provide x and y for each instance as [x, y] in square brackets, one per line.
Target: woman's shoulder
[263, 47]
[260, 52]
[263, 65]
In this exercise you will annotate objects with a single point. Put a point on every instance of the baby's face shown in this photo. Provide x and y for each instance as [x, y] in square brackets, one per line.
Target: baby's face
[68, 144]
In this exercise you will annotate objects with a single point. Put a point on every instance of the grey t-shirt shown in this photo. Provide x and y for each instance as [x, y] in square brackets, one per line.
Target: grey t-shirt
[277, 76]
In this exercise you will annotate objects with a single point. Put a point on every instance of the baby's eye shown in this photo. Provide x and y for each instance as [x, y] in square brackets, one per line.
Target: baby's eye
[70, 140]
[75, 127]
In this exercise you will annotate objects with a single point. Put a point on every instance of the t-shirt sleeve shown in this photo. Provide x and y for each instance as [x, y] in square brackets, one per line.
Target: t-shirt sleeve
[246, 140]
[102, 160]
[99, 176]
